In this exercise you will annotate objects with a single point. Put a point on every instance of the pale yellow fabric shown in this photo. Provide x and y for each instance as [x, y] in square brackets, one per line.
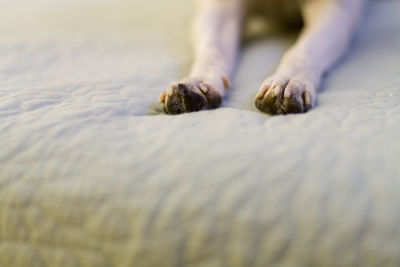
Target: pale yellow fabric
[93, 174]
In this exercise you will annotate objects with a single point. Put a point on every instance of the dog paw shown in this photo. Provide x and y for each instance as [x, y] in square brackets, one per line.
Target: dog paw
[190, 95]
[285, 94]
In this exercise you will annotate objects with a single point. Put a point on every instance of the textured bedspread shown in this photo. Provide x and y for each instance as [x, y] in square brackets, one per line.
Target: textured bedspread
[92, 173]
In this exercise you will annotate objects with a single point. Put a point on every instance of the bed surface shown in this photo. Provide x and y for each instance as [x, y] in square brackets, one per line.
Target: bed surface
[92, 173]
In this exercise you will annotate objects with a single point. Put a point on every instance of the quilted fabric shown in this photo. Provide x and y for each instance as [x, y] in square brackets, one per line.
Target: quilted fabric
[92, 173]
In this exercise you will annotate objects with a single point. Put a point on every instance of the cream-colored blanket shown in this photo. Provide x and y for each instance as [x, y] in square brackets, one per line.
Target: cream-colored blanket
[93, 174]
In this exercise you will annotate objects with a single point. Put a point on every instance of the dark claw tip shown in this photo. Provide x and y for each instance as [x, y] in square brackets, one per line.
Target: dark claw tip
[181, 88]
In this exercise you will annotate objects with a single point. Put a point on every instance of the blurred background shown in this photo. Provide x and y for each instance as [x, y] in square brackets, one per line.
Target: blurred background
[80, 41]
[92, 173]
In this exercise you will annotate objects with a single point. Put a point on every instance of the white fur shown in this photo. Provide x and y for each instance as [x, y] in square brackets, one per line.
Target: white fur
[328, 26]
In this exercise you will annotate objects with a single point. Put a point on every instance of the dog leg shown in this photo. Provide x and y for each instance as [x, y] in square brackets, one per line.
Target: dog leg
[217, 29]
[329, 25]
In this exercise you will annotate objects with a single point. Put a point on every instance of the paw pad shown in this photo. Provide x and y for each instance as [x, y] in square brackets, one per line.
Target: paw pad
[283, 95]
[190, 95]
